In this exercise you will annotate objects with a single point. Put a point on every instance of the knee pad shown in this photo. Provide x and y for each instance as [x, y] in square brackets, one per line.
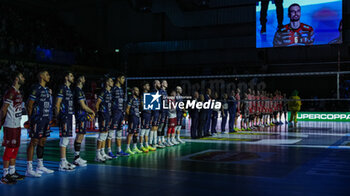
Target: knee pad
[119, 134]
[63, 142]
[110, 134]
[142, 132]
[102, 137]
[147, 132]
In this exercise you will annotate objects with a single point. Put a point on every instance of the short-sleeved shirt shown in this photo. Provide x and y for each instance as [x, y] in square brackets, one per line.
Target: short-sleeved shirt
[66, 107]
[134, 104]
[106, 104]
[117, 99]
[13, 97]
[42, 102]
[78, 95]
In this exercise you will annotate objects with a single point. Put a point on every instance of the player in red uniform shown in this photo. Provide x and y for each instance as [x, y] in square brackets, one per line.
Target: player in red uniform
[294, 33]
[10, 118]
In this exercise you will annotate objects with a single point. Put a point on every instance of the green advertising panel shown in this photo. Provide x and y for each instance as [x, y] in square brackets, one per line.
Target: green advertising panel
[324, 116]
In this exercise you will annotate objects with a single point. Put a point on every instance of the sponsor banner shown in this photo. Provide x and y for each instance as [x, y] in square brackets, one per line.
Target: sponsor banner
[324, 116]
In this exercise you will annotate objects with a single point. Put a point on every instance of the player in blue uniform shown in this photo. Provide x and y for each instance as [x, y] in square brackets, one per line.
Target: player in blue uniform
[145, 123]
[64, 114]
[81, 111]
[207, 97]
[118, 108]
[154, 120]
[104, 108]
[133, 112]
[38, 108]
[163, 118]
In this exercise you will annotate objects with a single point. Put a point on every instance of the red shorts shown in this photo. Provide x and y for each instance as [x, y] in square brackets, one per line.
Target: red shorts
[12, 137]
[172, 122]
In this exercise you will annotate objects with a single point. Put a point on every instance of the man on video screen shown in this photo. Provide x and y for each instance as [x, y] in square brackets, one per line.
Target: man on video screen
[295, 33]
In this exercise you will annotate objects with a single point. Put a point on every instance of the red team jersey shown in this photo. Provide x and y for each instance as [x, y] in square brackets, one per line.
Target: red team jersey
[288, 36]
[13, 118]
[12, 124]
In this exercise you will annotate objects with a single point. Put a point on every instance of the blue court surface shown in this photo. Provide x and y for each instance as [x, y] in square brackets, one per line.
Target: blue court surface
[310, 159]
[324, 18]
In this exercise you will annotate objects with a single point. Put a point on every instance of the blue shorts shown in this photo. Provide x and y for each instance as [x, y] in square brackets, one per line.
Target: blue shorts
[154, 119]
[117, 120]
[39, 128]
[146, 120]
[65, 125]
[134, 124]
[104, 121]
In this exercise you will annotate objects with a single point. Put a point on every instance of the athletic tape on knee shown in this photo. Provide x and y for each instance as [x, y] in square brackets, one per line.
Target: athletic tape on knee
[63, 142]
[40, 151]
[119, 134]
[110, 134]
[142, 132]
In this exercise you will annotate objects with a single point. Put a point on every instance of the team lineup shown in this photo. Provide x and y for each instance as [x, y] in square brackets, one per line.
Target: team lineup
[148, 130]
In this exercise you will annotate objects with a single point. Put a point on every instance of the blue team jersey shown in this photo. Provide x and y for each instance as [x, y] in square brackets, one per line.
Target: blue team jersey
[134, 104]
[118, 99]
[78, 95]
[42, 102]
[66, 107]
[164, 99]
[106, 104]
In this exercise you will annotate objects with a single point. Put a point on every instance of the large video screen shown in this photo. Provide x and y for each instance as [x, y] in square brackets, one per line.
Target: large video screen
[284, 23]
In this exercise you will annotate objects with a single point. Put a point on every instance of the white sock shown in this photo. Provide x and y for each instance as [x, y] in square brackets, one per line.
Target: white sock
[29, 165]
[119, 148]
[98, 151]
[77, 153]
[128, 146]
[5, 172]
[40, 163]
[141, 145]
[63, 160]
[109, 150]
[135, 145]
[12, 169]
